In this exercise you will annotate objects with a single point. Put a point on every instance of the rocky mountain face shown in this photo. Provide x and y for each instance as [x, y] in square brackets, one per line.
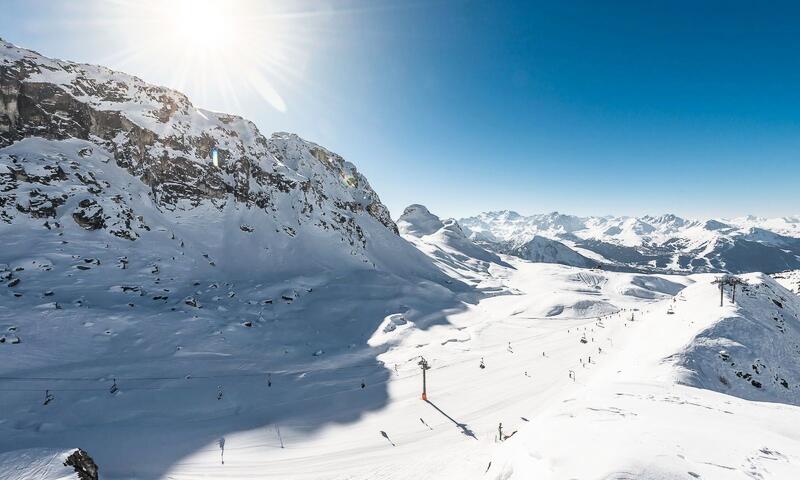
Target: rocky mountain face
[665, 243]
[183, 157]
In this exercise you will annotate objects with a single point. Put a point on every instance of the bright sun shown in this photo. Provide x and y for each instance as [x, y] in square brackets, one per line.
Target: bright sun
[217, 48]
[201, 25]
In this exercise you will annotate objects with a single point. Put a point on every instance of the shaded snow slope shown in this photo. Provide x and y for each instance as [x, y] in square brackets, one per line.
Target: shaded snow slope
[416, 220]
[544, 250]
[153, 301]
[46, 464]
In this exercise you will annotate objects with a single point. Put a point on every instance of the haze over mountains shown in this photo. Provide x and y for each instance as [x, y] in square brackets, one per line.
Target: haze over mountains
[183, 297]
[665, 243]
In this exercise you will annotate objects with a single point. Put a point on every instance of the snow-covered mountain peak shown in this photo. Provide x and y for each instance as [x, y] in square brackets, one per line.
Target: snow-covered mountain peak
[652, 243]
[180, 157]
[418, 221]
[447, 245]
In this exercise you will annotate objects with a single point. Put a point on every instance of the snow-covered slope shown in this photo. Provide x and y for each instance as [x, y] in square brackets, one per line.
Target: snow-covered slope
[69, 120]
[545, 250]
[445, 243]
[651, 243]
[790, 280]
[630, 413]
[47, 464]
[262, 318]
[163, 267]
[752, 350]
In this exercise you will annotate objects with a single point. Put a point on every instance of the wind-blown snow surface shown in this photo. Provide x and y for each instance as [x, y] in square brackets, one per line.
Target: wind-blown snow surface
[650, 243]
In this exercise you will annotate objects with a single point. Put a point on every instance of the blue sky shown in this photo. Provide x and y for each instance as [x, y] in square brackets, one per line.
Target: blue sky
[466, 106]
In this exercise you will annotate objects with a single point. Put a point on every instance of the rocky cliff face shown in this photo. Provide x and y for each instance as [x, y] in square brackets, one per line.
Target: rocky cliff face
[184, 157]
[83, 464]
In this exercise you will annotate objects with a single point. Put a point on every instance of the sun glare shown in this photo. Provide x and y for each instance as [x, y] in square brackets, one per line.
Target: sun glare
[217, 49]
[200, 25]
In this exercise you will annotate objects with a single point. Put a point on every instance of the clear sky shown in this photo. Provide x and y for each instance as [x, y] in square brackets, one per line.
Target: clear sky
[592, 107]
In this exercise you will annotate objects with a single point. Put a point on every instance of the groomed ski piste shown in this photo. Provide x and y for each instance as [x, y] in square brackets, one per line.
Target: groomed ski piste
[589, 373]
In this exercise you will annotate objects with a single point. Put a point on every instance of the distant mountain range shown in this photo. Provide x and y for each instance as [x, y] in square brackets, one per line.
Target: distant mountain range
[665, 243]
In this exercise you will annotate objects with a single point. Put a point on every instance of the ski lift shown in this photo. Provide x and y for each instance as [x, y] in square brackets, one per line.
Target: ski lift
[48, 397]
[219, 392]
[114, 389]
[363, 385]
[269, 379]
[670, 311]
[482, 365]
[583, 339]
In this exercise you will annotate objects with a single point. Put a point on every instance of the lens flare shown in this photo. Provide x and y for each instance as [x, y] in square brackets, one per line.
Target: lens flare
[217, 49]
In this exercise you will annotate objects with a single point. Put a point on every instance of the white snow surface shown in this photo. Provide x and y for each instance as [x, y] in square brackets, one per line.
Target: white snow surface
[645, 407]
[226, 341]
[447, 245]
[789, 279]
[664, 243]
[628, 231]
[36, 464]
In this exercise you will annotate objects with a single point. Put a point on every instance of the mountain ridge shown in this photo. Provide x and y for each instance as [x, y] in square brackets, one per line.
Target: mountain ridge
[658, 243]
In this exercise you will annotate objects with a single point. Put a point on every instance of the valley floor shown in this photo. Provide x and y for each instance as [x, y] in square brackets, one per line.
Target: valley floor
[580, 369]
[623, 415]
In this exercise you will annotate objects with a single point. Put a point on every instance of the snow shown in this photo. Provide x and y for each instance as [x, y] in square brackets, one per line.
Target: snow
[208, 338]
[630, 411]
[633, 417]
[790, 280]
[449, 248]
[664, 243]
[36, 464]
